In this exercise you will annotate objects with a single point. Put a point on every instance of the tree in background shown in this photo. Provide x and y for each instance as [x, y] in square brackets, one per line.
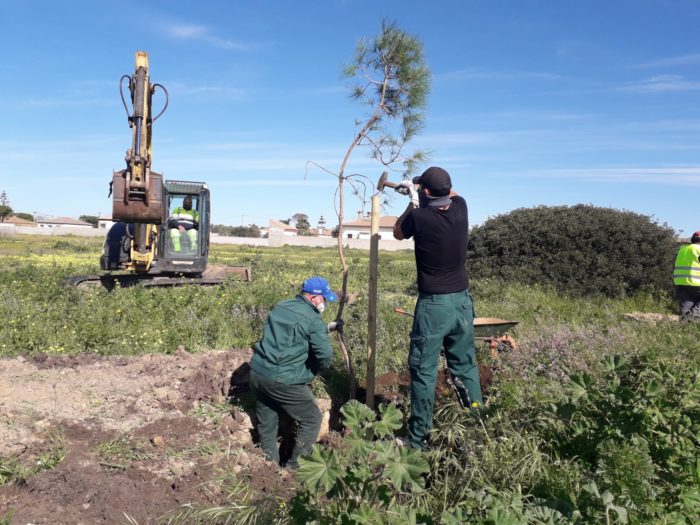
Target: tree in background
[301, 223]
[252, 230]
[5, 210]
[392, 79]
[92, 219]
[25, 216]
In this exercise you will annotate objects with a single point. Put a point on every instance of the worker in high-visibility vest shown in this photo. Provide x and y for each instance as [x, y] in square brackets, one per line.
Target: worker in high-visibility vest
[184, 221]
[686, 278]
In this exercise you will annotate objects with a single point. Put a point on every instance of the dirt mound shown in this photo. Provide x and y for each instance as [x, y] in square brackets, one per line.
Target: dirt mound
[395, 387]
[122, 438]
[91, 439]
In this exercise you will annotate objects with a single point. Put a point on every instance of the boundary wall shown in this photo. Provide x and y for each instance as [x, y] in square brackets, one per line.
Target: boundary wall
[272, 241]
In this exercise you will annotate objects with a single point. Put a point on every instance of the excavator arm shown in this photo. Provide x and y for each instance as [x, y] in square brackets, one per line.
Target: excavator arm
[137, 192]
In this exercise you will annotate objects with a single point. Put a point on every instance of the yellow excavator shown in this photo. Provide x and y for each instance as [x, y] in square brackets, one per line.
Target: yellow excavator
[161, 231]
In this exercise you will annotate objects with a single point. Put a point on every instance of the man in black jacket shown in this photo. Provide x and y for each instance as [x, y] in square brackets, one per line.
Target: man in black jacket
[437, 219]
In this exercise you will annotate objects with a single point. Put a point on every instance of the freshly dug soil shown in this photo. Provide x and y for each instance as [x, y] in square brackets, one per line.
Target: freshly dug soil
[139, 436]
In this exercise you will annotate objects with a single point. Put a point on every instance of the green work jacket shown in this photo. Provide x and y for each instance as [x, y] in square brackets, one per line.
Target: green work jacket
[295, 346]
[687, 270]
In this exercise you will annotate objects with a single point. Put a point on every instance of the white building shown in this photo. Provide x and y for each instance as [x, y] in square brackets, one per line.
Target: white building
[280, 228]
[104, 222]
[361, 227]
[60, 222]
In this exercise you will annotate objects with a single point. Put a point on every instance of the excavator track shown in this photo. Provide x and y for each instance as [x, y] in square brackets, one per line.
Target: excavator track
[213, 276]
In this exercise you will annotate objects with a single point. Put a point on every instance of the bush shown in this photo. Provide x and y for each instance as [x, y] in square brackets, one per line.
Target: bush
[579, 250]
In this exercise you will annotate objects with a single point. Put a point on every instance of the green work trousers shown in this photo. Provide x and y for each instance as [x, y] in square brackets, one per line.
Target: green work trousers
[298, 402]
[441, 322]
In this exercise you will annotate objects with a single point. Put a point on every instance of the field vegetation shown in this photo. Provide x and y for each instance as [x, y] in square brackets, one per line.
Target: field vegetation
[595, 418]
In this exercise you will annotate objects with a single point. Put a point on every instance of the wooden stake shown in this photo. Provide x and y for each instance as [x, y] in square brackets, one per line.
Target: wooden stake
[372, 313]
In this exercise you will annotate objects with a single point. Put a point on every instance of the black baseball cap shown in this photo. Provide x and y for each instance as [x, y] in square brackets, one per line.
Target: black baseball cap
[437, 180]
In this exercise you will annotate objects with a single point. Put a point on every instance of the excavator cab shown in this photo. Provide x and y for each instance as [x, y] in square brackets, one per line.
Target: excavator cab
[184, 238]
[182, 242]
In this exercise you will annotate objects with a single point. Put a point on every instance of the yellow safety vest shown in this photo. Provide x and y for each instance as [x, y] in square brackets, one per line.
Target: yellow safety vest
[186, 217]
[687, 270]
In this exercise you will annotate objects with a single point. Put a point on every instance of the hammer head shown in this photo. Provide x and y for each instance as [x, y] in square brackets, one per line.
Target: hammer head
[385, 183]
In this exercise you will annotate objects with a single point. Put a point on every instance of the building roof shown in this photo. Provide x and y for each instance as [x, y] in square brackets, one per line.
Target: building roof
[65, 221]
[279, 225]
[385, 221]
[17, 221]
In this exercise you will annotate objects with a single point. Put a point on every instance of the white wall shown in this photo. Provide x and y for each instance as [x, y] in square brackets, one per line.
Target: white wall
[56, 230]
[364, 233]
[273, 240]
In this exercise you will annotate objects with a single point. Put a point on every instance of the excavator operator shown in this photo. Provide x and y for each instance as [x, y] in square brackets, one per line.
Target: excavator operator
[184, 221]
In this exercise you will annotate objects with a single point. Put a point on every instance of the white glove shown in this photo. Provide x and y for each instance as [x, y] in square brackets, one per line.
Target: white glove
[406, 187]
[335, 325]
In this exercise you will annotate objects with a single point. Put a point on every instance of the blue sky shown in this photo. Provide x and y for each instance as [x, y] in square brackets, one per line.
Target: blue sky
[532, 102]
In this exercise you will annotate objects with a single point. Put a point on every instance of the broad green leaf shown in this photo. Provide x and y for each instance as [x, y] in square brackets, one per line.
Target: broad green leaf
[502, 516]
[690, 500]
[621, 512]
[592, 489]
[454, 517]
[543, 515]
[654, 389]
[366, 515]
[406, 467]
[615, 364]
[389, 422]
[320, 470]
[607, 498]
[578, 387]
[357, 416]
[359, 448]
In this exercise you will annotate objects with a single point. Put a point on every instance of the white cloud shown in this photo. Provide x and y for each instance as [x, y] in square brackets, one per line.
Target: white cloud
[290, 182]
[221, 92]
[681, 60]
[203, 34]
[186, 32]
[677, 175]
[480, 74]
[660, 84]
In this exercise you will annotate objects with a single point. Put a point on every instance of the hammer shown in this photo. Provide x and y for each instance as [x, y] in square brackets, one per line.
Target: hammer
[385, 183]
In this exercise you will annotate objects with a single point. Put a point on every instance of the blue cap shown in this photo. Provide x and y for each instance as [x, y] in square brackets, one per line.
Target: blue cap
[318, 286]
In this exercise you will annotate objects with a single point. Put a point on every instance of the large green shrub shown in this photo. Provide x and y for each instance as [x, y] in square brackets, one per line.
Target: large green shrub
[580, 250]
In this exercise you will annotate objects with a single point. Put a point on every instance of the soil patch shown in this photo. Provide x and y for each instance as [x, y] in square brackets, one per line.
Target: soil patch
[395, 387]
[130, 438]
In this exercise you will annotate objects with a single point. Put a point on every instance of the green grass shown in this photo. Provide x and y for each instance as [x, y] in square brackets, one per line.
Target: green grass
[119, 450]
[14, 470]
[506, 460]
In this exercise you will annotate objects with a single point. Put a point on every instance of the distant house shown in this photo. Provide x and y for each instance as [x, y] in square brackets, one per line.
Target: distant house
[280, 228]
[54, 222]
[361, 227]
[16, 221]
[321, 232]
[104, 222]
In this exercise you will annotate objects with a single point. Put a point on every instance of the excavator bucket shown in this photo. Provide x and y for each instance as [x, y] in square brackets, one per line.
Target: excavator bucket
[141, 207]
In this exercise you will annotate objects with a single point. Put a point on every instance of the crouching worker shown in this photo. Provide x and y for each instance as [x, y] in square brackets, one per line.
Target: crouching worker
[293, 350]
